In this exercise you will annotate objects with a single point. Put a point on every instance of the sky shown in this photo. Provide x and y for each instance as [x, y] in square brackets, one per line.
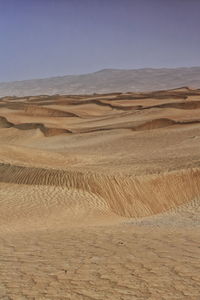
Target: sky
[45, 38]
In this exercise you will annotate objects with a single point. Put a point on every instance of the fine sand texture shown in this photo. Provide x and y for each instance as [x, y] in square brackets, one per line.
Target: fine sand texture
[100, 196]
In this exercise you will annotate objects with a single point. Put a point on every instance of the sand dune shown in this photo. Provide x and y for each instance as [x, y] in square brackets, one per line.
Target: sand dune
[47, 131]
[100, 196]
[180, 105]
[125, 196]
[43, 111]
[4, 123]
[30, 126]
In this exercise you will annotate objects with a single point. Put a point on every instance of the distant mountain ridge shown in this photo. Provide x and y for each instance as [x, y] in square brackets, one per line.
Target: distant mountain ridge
[106, 81]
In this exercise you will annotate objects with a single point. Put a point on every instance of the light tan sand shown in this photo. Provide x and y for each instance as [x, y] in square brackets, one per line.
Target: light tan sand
[100, 196]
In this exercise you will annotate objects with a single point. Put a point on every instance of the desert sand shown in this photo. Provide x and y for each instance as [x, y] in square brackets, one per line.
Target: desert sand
[100, 196]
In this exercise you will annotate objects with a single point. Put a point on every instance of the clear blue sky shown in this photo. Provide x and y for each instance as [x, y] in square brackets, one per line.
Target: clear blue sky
[42, 38]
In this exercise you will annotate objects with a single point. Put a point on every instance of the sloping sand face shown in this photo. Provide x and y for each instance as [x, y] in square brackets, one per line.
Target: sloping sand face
[100, 196]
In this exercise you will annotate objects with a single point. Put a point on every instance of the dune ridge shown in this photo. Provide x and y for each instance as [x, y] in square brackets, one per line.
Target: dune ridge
[44, 111]
[184, 105]
[48, 131]
[4, 123]
[126, 196]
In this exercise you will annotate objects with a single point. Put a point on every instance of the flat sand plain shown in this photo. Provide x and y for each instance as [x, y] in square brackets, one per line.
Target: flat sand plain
[100, 196]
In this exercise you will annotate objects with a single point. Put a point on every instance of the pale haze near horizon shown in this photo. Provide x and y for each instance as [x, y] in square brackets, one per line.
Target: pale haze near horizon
[53, 38]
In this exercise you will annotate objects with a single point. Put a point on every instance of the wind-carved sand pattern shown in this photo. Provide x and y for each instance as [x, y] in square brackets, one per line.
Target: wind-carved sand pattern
[100, 196]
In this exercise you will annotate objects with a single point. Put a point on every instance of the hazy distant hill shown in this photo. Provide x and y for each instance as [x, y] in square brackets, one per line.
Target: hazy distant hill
[104, 81]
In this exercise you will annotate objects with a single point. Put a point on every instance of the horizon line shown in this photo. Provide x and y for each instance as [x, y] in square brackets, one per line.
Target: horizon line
[104, 69]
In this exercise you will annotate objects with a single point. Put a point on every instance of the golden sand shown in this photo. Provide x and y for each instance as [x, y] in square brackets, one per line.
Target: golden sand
[100, 196]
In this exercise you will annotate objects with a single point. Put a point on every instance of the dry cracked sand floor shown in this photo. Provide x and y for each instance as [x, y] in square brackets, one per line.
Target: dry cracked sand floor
[100, 196]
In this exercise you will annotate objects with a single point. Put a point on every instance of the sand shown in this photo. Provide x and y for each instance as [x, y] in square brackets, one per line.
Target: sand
[100, 196]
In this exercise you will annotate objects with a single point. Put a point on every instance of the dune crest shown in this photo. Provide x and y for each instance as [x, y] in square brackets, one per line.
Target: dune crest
[127, 196]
